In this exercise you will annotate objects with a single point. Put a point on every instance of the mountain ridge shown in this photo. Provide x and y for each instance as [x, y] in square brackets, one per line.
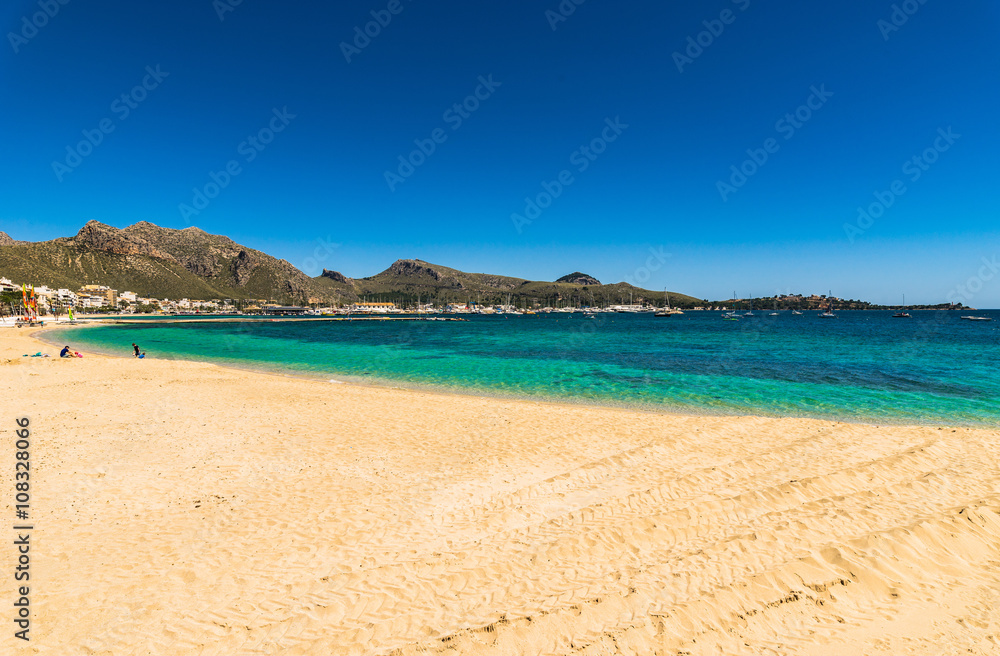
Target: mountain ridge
[190, 263]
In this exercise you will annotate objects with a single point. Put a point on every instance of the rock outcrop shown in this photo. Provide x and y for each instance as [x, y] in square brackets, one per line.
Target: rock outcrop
[336, 276]
[577, 278]
[100, 237]
[242, 266]
[413, 268]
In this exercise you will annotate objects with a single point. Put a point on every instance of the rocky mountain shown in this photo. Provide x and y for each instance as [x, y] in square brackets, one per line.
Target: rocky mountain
[577, 278]
[7, 240]
[419, 273]
[191, 263]
[159, 262]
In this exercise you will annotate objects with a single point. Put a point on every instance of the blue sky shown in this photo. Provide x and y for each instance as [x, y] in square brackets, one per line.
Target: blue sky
[219, 78]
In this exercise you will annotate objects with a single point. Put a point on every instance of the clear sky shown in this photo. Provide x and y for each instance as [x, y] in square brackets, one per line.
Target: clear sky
[124, 111]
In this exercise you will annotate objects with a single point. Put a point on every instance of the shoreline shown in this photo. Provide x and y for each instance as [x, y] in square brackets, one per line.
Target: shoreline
[430, 388]
[237, 512]
[388, 384]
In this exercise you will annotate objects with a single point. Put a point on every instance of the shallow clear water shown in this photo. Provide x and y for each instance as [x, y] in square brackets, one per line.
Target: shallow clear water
[862, 366]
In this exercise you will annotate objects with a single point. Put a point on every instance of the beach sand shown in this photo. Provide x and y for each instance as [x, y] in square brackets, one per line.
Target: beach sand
[186, 508]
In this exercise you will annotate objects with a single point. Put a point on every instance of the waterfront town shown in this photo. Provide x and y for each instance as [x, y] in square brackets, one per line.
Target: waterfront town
[101, 299]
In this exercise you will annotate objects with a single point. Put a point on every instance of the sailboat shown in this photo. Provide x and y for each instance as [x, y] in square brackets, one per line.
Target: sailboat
[750, 313]
[829, 309]
[731, 315]
[901, 314]
[775, 313]
[667, 311]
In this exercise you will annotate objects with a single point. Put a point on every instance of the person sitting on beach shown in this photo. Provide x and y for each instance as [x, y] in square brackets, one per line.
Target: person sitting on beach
[141, 355]
[66, 353]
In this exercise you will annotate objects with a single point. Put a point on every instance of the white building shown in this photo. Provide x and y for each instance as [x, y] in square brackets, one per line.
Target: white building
[86, 301]
[375, 308]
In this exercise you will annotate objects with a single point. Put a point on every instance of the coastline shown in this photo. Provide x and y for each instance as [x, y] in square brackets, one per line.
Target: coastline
[499, 395]
[390, 384]
[189, 508]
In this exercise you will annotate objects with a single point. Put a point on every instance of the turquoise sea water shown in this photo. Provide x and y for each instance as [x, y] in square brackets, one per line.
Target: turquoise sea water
[862, 366]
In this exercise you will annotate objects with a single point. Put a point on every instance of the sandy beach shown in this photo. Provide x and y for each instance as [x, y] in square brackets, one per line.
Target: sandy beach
[187, 508]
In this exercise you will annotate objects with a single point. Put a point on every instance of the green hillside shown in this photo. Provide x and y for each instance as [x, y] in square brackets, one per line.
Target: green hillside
[406, 280]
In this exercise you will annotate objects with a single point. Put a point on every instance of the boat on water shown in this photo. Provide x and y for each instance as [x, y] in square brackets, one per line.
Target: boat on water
[829, 309]
[732, 314]
[972, 318]
[902, 314]
[667, 311]
[750, 313]
[796, 313]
